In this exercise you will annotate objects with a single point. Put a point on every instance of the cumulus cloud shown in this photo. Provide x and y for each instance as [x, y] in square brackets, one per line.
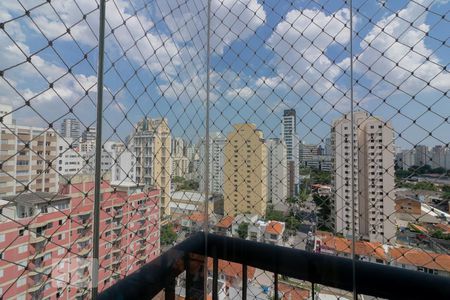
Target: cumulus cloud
[234, 20]
[231, 20]
[394, 54]
[300, 43]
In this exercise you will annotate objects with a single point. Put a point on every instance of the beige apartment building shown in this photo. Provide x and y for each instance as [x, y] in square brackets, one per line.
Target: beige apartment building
[373, 177]
[25, 155]
[245, 171]
[151, 143]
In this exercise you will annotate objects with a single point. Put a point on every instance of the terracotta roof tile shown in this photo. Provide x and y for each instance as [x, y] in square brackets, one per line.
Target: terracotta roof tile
[231, 269]
[274, 227]
[292, 293]
[420, 228]
[444, 227]
[225, 222]
[421, 258]
[197, 217]
[363, 248]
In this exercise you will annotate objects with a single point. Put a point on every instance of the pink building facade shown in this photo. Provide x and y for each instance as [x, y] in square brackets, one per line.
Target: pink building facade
[46, 239]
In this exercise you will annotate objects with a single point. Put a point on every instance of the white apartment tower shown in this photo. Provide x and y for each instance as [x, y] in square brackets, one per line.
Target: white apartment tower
[70, 160]
[277, 174]
[373, 170]
[123, 169]
[180, 163]
[70, 128]
[289, 135]
[89, 134]
[216, 163]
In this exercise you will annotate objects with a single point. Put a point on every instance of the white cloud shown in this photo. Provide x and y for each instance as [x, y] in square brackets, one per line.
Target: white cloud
[243, 93]
[395, 50]
[300, 44]
[234, 20]
[231, 20]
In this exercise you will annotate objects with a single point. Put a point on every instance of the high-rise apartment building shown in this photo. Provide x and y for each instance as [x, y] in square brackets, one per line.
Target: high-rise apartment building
[328, 149]
[216, 163]
[89, 134]
[151, 143]
[180, 162]
[70, 128]
[58, 239]
[70, 160]
[290, 137]
[245, 171]
[123, 169]
[306, 153]
[6, 114]
[406, 159]
[422, 155]
[439, 157]
[28, 159]
[277, 174]
[373, 177]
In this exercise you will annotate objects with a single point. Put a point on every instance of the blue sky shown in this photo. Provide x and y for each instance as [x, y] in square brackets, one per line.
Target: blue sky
[266, 57]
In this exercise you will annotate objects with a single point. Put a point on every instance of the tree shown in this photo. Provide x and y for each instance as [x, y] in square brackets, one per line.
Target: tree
[168, 235]
[446, 188]
[321, 177]
[177, 179]
[424, 185]
[292, 223]
[439, 234]
[243, 230]
[274, 215]
[303, 196]
[439, 170]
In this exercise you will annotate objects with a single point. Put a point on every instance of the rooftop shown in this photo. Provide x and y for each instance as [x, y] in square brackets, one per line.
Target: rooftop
[36, 198]
[225, 222]
[188, 196]
[231, 269]
[420, 258]
[363, 248]
[274, 227]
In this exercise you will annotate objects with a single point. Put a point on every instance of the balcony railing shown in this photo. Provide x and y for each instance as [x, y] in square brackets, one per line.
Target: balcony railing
[319, 270]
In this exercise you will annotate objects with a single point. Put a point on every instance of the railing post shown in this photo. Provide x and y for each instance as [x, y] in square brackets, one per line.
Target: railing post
[169, 290]
[195, 274]
[215, 294]
[275, 283]
[244, 282]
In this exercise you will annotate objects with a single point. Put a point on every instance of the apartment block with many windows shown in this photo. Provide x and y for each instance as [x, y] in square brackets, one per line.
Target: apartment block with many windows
[245, 171]
[47, 238]
[373, 177]
[28, 159]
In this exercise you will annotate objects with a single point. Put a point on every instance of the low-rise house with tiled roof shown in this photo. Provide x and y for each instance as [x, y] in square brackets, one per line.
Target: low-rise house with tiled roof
[230, 272]
[193, 222]
[365, 251]
[273, 233]
[419, 260]
[224, 226]
[402, 257]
